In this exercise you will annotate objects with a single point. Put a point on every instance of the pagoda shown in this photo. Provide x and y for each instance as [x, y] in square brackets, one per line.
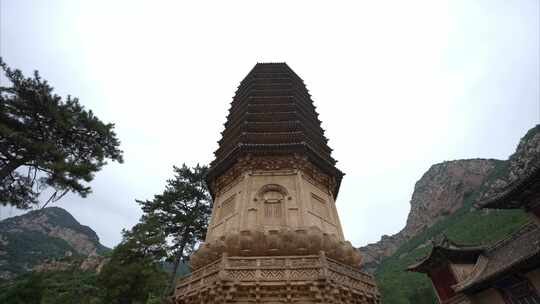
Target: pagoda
[274, 235]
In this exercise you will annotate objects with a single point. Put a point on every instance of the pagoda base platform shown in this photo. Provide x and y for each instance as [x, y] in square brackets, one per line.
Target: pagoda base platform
[291, 279]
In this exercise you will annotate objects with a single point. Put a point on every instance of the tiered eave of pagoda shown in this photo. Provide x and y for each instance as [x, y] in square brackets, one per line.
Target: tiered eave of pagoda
[272, 114]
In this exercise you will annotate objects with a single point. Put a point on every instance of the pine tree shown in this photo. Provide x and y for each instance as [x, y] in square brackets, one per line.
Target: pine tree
[146, 240]
[183, 210]
[47, 142]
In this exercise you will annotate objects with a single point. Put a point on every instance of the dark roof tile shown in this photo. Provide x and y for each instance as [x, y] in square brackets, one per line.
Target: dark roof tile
[513, 195]
[521, 250]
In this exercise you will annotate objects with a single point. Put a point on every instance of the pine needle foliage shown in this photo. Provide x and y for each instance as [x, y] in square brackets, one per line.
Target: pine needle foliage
[48, 142]
[183, 211]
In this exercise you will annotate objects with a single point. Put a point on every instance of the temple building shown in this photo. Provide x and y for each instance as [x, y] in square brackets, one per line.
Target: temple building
[274, 235]
[505, 272]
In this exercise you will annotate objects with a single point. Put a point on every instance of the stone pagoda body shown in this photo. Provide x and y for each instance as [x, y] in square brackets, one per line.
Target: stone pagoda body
[274, 235]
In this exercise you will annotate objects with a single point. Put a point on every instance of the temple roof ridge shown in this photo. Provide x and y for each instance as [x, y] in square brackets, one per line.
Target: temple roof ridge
[444, 247]
[445, 242]
[503, 199]
[523, 229]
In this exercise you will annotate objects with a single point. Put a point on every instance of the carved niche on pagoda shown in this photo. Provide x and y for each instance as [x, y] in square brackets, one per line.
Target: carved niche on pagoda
[269, 193]
[271, 199]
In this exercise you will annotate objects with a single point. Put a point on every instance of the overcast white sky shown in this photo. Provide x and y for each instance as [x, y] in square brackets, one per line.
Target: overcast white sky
[399, 85]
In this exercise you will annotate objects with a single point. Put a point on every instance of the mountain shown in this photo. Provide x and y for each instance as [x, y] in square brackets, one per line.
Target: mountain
[34, 239]
[442, 203]
[441, 191]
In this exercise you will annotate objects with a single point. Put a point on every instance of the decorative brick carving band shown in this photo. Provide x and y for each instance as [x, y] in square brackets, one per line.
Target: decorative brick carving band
[284, 279]
[274, 163]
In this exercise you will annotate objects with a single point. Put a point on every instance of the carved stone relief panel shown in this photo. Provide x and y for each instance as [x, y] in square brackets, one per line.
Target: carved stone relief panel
[227, 203]
[227, 207]
[320, 206]
[321, 210]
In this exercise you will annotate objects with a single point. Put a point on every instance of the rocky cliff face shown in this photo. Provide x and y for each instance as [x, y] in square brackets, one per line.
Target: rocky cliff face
[527, 154]
[38, 236]
[92, 262]
[441, 191]
[445, 187]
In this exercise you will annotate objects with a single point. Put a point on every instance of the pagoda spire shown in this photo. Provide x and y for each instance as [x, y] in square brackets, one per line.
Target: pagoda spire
[272, 113]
